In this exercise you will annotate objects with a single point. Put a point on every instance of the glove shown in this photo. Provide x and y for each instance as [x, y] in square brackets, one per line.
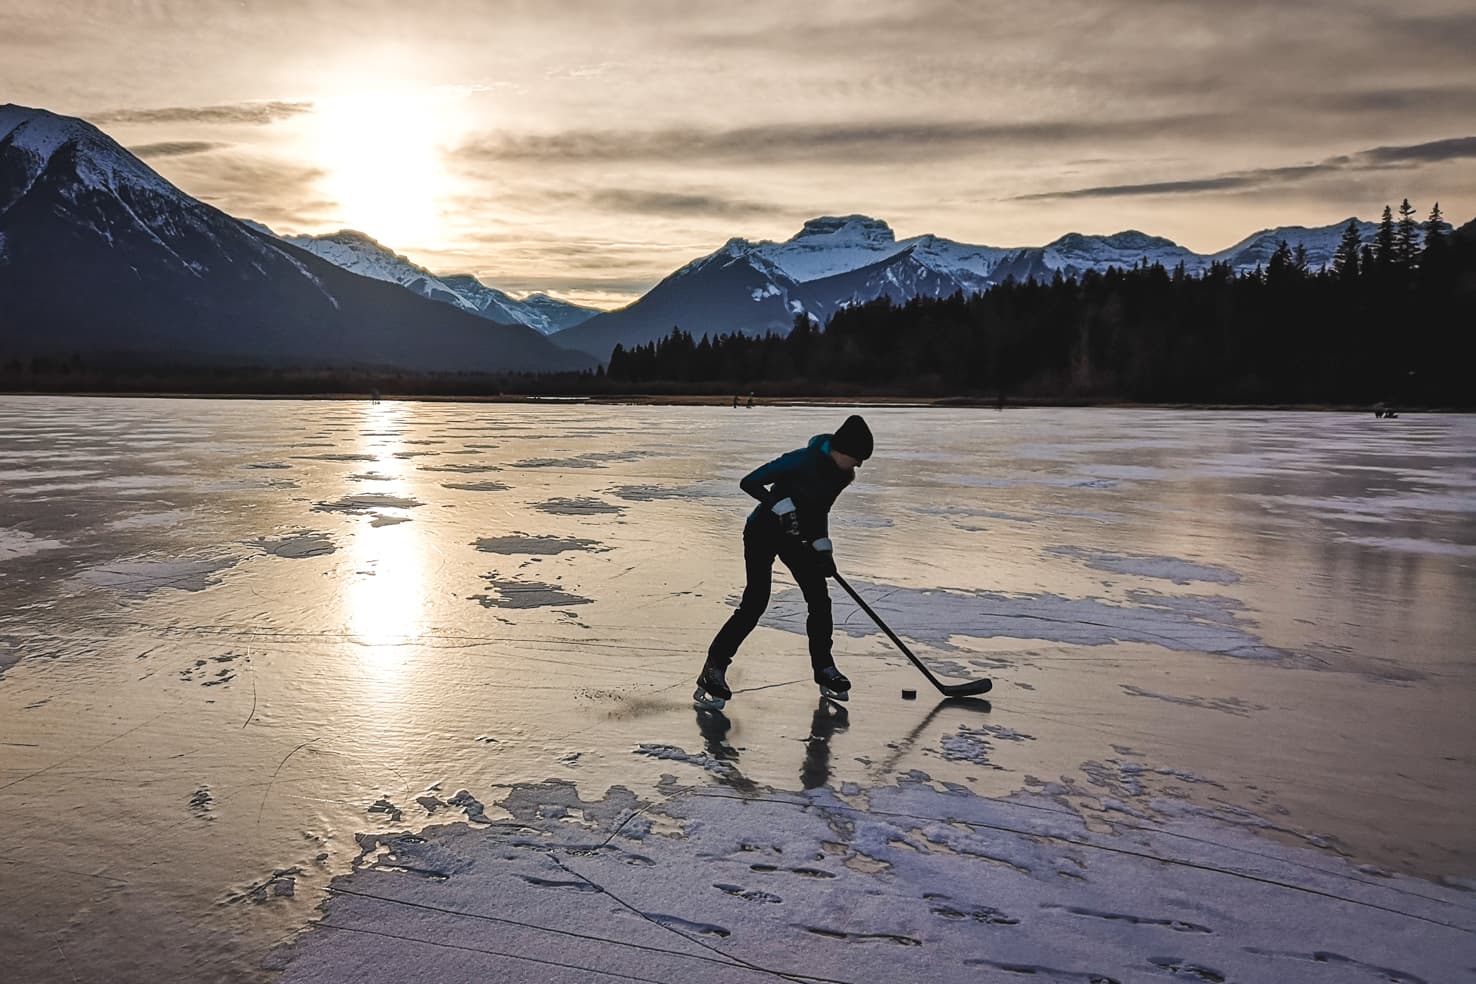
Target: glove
[788, 516]
[825, 556]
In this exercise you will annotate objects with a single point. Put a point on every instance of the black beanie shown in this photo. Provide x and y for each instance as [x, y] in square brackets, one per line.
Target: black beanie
[853, 438]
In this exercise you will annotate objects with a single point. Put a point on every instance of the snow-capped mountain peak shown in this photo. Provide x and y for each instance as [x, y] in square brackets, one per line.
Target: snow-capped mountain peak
[1128, 239]
[360, 253]
[829, 245]
[1320, 244]
[1075, 252]
[732, 251]
[74, 166]
[855, 228]
[98, 161]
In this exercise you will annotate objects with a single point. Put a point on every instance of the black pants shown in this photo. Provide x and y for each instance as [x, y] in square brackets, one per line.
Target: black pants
[762, 542]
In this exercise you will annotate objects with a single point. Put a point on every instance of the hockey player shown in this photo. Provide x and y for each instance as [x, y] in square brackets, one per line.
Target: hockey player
[791, 522]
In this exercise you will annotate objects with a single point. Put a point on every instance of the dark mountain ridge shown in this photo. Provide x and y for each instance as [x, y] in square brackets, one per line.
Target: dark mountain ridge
[101, 257]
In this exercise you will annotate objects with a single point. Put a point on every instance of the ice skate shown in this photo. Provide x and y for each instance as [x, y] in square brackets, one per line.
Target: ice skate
[833, 684]
[712, 690]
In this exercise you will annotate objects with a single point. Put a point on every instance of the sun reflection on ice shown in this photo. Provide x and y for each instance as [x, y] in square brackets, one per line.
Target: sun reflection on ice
[385, 598]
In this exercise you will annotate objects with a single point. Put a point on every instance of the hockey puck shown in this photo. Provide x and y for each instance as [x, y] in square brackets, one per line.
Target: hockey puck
[909, 695]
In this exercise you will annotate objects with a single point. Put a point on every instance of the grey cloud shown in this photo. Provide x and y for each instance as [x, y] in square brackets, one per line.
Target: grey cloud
[882, 141]
[682, 203]
[175, 148]
[1190, 186]
[1455, 30]
[1377, 158]
[627, 200]
[1454, 148]
[629, 287]
[259, 175]
[276, 192]
[558, 265]
[1411, 99]
[259, 113]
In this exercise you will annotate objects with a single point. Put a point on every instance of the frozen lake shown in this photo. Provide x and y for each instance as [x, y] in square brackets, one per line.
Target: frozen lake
[242, 643]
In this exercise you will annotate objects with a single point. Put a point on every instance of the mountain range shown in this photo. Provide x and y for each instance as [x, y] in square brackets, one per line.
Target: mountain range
[100, 255]
[102, 258]
[837, 261]
[361, 254]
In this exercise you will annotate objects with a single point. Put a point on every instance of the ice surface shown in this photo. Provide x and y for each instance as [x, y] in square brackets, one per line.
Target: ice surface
[907, 882]
[1231, 656]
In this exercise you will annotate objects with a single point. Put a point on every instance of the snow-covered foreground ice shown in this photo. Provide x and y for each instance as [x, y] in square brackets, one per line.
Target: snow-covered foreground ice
[896, 883]
[416, 676]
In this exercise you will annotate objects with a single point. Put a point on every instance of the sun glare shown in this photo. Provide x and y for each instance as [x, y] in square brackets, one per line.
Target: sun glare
[385, 598]
[382, 154]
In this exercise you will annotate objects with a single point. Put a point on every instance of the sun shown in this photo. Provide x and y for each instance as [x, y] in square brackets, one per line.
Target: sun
[382, 154]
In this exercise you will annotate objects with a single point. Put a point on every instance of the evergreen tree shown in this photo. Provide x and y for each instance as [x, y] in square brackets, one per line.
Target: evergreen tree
[1434, 228]
[1299, 258]
[1345, 260]
[1367, 258]
[1406, 236]
[1384, 239]
[801, 342]
[1435, 258]
[1280, 264]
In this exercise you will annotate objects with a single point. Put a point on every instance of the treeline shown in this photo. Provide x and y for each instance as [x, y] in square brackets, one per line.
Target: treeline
[1389, 320]
[78, 375]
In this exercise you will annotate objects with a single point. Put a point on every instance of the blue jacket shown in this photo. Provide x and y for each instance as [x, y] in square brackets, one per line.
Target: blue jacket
[809, 476]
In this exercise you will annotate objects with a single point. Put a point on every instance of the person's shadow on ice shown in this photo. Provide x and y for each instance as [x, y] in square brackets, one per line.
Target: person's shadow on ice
[829, 718]
[714, 726]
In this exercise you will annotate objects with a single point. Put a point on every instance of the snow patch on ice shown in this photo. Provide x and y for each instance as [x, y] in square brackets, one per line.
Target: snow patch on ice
[1405, 544]
[476, 486]
[18, 543]
[296, 546]
[578, 506]
[1228, 705]
[368, 502]
[524, 543]
[145, 576]
[511, 593]
[651, 493]
[970, 744]
[1145, 565]
[1196, 624]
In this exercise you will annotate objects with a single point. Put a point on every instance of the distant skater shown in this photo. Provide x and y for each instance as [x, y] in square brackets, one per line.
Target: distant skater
[791, 522]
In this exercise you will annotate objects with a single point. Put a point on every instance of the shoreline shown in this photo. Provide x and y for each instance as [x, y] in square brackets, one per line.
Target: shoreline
[703, 399]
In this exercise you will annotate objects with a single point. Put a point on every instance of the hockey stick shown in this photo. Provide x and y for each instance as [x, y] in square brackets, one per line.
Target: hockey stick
[970, 689]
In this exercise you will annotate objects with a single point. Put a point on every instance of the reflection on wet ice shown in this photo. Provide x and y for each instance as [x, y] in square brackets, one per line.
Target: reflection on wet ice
[384, 596]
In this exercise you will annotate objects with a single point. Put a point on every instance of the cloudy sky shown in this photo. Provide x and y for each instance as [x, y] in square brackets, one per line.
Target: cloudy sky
[589, 147]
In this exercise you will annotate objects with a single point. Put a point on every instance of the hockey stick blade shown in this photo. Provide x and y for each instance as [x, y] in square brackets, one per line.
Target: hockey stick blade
[970, 689]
